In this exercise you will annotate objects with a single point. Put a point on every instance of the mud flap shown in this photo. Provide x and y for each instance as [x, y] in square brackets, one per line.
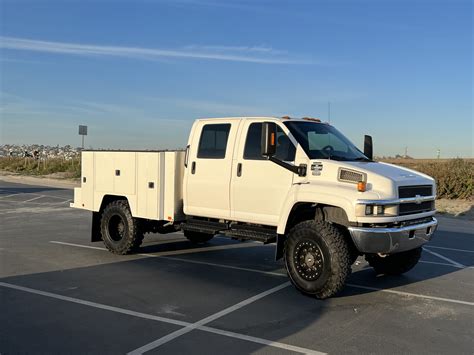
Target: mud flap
[95, 230]
[280, 247]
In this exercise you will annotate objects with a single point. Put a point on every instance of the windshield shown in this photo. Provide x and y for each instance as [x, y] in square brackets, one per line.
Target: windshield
[322, 141]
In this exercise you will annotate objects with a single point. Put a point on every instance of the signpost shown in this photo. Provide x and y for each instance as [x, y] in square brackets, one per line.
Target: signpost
[82, 132]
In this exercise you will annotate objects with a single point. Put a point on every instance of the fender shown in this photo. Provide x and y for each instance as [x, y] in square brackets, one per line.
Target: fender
[318, 194]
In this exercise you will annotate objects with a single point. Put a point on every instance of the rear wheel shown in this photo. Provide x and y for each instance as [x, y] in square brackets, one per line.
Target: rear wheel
[120, 231]
[197, 237]
[317, 258]
[394, 264]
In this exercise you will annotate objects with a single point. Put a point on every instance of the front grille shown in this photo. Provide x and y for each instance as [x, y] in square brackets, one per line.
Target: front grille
[413, 191]
[411, 208]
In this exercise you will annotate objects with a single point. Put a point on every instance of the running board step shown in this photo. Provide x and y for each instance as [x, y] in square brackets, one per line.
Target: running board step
[196, 225]
[264, 235]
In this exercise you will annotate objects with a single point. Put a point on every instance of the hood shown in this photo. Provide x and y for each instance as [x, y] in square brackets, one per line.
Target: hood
[382, 179]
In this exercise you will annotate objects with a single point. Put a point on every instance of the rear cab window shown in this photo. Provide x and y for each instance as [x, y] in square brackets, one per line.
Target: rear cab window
[213, 141]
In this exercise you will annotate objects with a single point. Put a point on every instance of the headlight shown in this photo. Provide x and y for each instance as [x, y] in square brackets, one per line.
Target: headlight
[376, 210]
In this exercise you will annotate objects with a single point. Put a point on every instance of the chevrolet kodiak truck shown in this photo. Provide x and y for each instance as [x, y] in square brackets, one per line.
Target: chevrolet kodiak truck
[298, 183]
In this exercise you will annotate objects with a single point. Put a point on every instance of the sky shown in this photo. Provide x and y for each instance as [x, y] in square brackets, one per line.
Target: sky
[138, 73]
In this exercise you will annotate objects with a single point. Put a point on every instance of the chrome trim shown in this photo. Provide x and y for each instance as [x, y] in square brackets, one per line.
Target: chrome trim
[392, 240]
[397, 201]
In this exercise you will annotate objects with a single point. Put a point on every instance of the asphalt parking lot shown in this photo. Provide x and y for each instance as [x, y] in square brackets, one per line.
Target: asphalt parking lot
[60, 293]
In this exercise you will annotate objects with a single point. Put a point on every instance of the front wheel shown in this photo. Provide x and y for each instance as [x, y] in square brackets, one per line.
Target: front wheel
[317, 258]
[394, 264]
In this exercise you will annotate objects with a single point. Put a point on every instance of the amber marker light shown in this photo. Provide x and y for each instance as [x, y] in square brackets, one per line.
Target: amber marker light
[273, 139]
[361, 186]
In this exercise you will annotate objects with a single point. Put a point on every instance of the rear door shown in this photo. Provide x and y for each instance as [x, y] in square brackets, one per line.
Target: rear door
[208, 172]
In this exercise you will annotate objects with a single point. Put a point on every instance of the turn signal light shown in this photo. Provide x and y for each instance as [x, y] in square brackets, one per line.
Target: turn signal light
[361, 186]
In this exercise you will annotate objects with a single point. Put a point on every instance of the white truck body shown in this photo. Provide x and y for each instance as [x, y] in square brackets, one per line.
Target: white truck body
[151, 181]
[223, 184]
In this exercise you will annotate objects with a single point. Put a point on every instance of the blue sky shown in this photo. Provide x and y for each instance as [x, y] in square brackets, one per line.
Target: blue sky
[139, 72]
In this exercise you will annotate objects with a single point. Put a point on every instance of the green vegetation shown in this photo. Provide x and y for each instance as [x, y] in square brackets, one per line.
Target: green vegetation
[454, 177]
[29, 166]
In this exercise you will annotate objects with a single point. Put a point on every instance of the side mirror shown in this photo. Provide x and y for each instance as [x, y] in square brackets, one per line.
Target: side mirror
[368, 147]
[268, 139]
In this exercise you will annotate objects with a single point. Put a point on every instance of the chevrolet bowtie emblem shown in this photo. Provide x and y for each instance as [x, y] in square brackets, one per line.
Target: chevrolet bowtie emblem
[418, 199]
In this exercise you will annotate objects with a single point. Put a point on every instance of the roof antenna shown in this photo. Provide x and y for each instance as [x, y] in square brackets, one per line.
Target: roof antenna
[329, 112]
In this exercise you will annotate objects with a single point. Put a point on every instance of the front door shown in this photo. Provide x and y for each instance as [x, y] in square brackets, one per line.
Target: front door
[259, 186]
[209, 167]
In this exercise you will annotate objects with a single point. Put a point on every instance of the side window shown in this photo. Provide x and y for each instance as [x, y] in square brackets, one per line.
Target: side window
[213, 141]
[285, 149]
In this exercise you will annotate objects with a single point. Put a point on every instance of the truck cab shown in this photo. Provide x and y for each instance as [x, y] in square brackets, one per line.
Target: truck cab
[297, 182]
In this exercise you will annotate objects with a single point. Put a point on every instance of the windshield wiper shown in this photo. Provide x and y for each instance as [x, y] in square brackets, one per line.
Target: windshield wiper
[361, 159]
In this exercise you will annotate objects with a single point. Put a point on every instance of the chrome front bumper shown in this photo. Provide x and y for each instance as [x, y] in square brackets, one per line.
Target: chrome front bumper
[392, 240]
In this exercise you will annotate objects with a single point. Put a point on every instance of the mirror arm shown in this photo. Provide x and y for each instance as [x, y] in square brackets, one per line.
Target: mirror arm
[300, 170]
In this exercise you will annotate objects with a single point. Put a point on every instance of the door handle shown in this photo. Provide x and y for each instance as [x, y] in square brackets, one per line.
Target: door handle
[193, 167]
[239, 169]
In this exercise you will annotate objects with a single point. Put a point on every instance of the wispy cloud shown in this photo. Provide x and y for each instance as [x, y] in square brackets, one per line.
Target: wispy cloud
[257, 54]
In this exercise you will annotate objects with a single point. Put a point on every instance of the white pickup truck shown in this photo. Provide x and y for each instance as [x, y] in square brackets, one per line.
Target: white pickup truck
[298, 183]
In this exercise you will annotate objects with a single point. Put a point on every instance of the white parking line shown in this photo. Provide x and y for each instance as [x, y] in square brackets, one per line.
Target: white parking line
[453, 249]
[442, 264]
[171, 252]
[34, 198]
[204, 321]
[455, 263]
[168, 320]
[202, 249]
[214, 264]
[95, 305]
[11, 195]
[284, 275]
[411, 294]
[78, 245]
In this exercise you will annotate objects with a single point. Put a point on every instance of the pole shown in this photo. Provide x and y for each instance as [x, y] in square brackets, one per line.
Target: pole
[82, 142]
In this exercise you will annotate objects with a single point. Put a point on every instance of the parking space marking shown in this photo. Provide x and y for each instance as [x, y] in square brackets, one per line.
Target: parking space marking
[94, 304]
[8, 196]
[455, 263]
[171, 252]
[77, 245]
[221, 265]
[266, 342]
[204, 321]
[34, 198]
[453, 249]
[163, 319]
[284, 275]
[443, 264]
[412, 294]
[202, 249]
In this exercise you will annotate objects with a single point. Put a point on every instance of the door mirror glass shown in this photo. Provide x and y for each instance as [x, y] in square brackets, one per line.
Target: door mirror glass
[368, 148]
[268, 139]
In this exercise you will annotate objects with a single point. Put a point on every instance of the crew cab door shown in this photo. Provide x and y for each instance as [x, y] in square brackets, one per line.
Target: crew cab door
[208, 171]
[259, 186]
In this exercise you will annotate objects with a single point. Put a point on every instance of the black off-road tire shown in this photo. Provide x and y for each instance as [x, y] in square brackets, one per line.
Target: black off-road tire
[394, 264]
[197, 237]
[327, 249]
[120, 231]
